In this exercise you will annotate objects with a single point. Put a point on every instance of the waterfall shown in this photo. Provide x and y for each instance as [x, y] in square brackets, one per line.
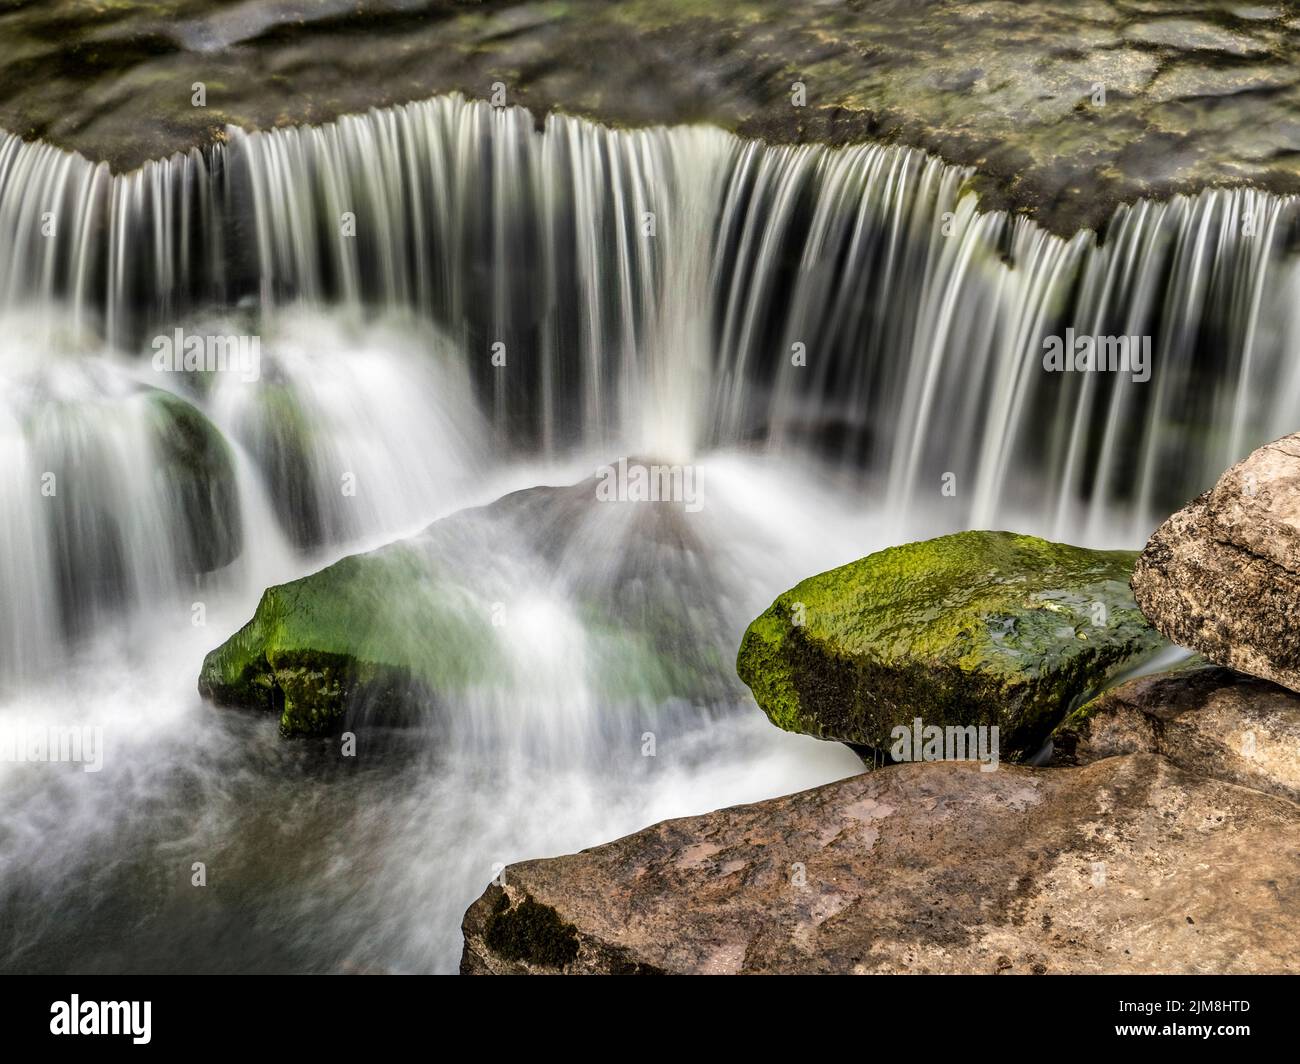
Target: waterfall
[443, 302]
[670, 290]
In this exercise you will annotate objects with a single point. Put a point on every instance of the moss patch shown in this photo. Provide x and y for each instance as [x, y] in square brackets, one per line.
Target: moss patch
[530, 932]
[366, 630]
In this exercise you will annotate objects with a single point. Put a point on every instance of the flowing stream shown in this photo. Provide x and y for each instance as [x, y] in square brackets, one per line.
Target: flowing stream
[441, 303]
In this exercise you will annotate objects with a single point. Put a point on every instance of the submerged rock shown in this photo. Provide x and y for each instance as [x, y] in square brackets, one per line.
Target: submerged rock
[1222, 575]
[1205, 719]
[977, 628]
[198, 471]
[477, 600]
[144, 495]
[278, 434]
[1127, 865]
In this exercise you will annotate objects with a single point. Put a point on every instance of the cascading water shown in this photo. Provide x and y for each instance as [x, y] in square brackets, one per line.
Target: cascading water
[448, 304]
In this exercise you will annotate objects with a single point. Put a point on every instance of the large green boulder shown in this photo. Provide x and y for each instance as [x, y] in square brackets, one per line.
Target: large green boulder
[546, 589]
[976, 628]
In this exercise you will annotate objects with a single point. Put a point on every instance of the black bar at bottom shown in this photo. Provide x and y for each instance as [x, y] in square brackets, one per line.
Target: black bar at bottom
[306, 1013]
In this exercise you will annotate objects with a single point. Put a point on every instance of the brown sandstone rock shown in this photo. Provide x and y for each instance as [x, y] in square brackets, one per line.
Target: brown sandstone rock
[1208, 720]
[1126, 865]
[1222, 575]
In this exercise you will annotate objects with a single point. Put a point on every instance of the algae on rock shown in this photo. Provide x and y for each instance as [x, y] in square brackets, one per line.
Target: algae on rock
[387, 634]
[976, 628]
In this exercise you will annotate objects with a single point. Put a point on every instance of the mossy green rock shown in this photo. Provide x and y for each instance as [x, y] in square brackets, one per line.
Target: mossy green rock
[364, 630]
[544, 586]
[976, 628]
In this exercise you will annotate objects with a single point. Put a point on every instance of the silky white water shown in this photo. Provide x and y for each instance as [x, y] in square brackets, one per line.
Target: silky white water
[448, 305]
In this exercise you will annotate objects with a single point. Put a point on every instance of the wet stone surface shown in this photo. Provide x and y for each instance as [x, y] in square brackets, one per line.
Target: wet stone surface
[1193, 95]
